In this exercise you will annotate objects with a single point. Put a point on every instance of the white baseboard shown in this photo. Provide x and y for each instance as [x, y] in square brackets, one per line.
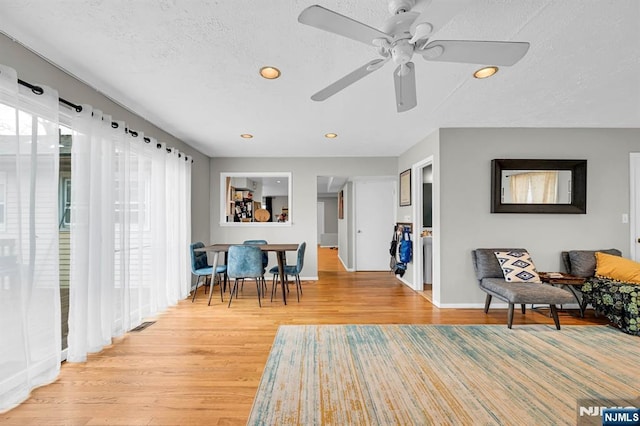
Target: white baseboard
[403, 281]
[345, 266]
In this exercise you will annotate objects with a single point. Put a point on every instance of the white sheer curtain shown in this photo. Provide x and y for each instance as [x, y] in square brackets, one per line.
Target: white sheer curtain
[130, 231]
[535, 187]
[29, 283]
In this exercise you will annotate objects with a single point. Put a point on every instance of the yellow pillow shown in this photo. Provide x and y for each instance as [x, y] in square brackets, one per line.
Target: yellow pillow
[617, 268]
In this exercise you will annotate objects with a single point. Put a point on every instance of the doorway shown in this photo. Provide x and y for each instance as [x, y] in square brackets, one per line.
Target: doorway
[328, 188]
[424, 221]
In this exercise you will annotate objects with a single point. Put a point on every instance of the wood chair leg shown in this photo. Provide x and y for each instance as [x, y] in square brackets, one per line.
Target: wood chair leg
[510, 316]
[524, 308]
[487, 302]
[554, 313]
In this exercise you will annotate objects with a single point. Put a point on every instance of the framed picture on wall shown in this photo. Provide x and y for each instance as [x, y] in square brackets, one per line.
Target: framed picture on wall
[405, 188]
[341, 205]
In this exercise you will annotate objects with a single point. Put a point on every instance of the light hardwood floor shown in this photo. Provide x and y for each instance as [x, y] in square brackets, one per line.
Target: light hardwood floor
[201, 365]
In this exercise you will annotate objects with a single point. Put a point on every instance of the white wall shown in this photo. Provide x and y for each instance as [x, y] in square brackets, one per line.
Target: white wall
[303, 211]
[33, 69]
[464, 199]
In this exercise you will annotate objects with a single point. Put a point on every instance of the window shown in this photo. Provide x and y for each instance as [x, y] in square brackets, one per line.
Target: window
[64, 188]
[65, 202]
[3, 201]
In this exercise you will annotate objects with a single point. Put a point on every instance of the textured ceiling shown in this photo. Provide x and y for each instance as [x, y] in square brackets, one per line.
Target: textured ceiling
[191, 68]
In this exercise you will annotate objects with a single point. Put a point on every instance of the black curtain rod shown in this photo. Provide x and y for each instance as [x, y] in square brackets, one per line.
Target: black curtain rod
[39, 91]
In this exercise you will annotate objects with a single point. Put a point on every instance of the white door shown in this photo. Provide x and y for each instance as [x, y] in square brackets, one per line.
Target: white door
[374, 210]
[320, 221]
[634, 220]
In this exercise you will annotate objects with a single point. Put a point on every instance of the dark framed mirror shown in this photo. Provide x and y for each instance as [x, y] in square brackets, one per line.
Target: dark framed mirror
[538, 186]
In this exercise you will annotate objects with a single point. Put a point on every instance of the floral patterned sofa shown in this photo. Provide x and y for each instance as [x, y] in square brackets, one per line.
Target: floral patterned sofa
[616, 300]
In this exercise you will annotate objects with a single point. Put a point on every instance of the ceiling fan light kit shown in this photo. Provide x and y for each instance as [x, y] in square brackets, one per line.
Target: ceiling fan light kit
[404, 34]
[485, 72]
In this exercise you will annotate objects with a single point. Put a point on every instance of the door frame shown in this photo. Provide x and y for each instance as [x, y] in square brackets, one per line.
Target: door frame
[417, 196]
[634, 198]
[354, 230]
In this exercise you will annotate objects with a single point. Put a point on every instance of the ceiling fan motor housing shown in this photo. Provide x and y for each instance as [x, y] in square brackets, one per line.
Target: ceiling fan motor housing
[400, 6]
[401, 52]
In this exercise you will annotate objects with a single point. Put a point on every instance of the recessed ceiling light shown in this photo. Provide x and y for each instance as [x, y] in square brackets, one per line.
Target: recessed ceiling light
[331, 135]
[485, 72]
[246, 136]
[270, 73]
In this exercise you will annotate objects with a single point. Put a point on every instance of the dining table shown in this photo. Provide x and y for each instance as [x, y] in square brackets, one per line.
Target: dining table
[279, 249]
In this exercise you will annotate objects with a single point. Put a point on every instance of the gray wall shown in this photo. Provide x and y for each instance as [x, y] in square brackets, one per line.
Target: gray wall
[330, 214]
[345, 229]
[35, 70]
[303, 212]
[464, 201]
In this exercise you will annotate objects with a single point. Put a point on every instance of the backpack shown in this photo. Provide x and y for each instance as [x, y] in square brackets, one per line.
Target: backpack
[406, 248]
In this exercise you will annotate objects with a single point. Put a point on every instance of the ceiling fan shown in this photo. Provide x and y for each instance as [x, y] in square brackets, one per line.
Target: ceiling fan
[404, 34]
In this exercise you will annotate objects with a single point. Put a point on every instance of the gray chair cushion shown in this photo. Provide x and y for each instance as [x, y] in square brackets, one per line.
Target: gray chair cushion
[486, 264]
[582, 263]
[526, 292]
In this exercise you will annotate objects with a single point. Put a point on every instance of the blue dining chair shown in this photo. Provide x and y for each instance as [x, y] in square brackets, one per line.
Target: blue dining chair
[265, 259]
[244, 261]
[200, 268]
[290, 270]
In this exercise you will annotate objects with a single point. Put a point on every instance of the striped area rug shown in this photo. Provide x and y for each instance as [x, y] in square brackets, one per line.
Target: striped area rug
[439, 374]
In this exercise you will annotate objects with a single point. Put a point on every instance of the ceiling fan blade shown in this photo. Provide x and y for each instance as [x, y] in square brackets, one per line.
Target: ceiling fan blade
[349, 79]
[328, 20]
[405, 82]
[475, 52]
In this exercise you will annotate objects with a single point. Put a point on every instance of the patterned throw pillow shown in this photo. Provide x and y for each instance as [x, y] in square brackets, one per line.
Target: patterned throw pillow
[517, 267]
